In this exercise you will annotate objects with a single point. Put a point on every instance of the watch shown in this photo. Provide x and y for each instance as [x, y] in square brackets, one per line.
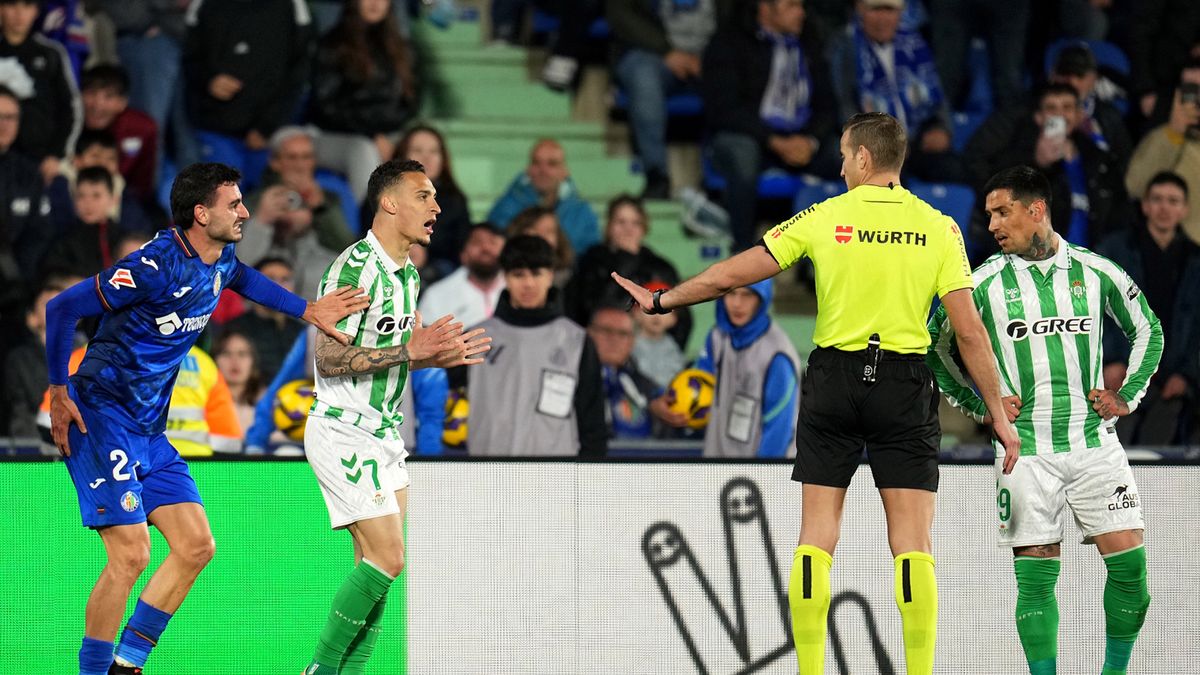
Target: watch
[658, 308]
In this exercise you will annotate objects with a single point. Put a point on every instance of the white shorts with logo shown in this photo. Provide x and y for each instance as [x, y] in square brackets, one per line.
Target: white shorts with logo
[1096, 483]
[358, 473]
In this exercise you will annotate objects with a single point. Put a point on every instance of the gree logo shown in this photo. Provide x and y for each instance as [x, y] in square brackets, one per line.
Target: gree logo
[1019, 329]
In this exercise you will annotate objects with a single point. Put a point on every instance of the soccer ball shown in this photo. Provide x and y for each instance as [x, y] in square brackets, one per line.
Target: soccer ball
[691, 394]
[291, 408]
[454, 428]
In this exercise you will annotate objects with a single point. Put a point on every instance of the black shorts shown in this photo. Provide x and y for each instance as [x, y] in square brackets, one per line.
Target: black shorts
[895, 418]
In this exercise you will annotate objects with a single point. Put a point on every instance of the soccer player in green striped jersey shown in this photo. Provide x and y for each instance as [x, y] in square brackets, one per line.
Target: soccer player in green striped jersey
[352, 439]
[1043, 302]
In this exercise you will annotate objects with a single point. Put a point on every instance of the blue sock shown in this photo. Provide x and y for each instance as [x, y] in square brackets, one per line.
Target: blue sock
[95, 657]
[141, 633]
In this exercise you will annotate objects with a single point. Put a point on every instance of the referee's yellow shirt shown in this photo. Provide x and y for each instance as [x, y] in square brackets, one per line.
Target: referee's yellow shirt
[880, 256]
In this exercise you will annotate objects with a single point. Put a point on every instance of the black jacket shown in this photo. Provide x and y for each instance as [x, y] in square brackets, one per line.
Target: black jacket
[51, 111]
[25, 233]
[80, 248]
[592, 287]
[375, 106]
[636, 24]
[264, 43]
[737, 68]
[453, 224]
[1009, 138]
[589, 393]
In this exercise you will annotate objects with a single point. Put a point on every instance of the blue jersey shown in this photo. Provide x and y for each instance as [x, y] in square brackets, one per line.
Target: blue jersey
[156, 301]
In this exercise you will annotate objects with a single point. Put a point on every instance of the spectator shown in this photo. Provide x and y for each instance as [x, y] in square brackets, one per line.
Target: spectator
[291, 173]
[423, 405]
[238, 363]
[202, 418]
[1089, 200]
[1165, 264]
[39, 71]
[768, 103]
[540, 221]
[25, 379]
[150, 39]
[1003, 25]
[89, 244]
[106, 108]
[94, 149]
[427, 145]
[540, 391]
[364, 90]
[547, 182]
[1163, 38]
[470, 292]
[24, 235]
[623, 251]
[658, 46]
[880, 67]
[569, 43]
[272, 333]
[757, 399]
[247, 64]
[636, 407]
[65, 22]
[1076, 66]
[657, 353]
[1174, 146]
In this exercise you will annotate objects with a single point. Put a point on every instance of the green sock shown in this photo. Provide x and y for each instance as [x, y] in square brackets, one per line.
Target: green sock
[1037, 612]
[355, 600]
[1125, 603]
[359, 652]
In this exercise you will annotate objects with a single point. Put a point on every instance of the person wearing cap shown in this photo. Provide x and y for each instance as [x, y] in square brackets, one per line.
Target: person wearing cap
[1076, 65]
[472, 290]
[881, 255]
[291, 216]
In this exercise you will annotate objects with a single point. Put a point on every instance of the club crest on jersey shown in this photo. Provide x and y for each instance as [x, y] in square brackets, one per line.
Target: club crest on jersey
[217, 284]
[387, 324]
[122, 277]
[842, 233]
[1077, 288]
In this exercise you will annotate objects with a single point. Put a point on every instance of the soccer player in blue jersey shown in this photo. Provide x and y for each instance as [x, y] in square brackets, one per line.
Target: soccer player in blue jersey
[108, 420]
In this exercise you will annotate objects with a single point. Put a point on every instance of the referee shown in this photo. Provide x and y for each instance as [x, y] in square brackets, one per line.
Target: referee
[881, 255]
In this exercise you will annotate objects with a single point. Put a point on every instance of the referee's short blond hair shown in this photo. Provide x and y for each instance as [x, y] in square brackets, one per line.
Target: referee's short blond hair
[881, 134]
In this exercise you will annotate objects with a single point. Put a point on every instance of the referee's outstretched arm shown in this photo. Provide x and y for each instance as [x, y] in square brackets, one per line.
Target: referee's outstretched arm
[975, 347]
[746, 268]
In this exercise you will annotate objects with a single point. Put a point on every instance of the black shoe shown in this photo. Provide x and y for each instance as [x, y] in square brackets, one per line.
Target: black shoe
[658, 186]
[124, 670]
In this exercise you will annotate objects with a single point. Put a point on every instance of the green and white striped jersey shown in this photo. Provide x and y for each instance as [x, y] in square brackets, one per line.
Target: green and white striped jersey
[371, 402]
[1045, 321]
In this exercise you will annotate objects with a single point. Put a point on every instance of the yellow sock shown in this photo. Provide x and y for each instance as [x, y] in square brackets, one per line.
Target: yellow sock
[916, 594]
[808, 596]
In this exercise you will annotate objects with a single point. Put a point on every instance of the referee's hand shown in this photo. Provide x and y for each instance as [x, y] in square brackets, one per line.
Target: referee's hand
[640, 296]
[1007, 435]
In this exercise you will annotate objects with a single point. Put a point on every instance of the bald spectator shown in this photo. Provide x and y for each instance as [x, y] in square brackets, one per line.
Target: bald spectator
[547, 182]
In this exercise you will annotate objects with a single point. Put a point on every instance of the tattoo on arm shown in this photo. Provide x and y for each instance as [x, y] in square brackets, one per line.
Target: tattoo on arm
[337, 360]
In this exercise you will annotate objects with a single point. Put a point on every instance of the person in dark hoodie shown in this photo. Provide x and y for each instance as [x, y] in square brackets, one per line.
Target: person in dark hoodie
[757, 370]
[539, 392]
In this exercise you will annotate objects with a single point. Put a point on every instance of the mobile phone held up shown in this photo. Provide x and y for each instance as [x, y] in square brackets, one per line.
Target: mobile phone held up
[1055, 127]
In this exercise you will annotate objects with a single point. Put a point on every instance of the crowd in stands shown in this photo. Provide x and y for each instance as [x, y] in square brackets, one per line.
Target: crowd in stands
[101, 101]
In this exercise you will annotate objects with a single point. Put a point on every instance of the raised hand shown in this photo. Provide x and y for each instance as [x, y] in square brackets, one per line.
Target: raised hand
[641, 296]
[465, 351]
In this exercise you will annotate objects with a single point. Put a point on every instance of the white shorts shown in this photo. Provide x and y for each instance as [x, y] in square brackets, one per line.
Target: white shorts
[1096, 483]
[358, 473]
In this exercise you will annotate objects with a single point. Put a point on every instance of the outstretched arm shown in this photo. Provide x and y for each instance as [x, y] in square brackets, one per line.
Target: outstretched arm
[324, 313]
[748, 267]
[442, 344]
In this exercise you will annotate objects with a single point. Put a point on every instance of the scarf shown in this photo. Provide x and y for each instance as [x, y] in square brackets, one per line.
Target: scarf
[915, 93]
[786, 104]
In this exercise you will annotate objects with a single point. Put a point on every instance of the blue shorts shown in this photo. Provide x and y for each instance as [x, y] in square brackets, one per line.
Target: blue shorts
[121, 475]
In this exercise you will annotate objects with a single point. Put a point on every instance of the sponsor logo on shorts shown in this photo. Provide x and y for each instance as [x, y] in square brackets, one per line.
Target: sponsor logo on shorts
[129, 502]
[1122, 498]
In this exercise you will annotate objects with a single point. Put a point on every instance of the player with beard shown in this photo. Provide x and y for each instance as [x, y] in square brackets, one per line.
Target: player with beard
[108, 421]
[470, 292]
[353, 440]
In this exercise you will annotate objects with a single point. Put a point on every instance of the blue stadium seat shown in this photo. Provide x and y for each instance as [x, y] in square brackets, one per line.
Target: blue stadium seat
[979, 96]
[1107, 54]
[813, 190]
[687, 104]
[963, 126]
[952, 199]
[216, 147]
[335, 183]
[772, 183]
[166, 176]
[545, 23]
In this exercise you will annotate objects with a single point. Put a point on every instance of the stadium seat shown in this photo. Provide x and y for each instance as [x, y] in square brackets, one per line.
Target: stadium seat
[687, 104]
[964, 125]
[216, 147]
[952, 199]
[812, 190]
[1107, 54]
[335, 183]
[772, 183]
[545, 23]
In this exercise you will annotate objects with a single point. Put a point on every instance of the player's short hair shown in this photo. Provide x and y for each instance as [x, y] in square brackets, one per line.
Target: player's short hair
[93, 137]
[1026, 184]
[105, 76]
[96, 175]
[387, 175]
[1055, 89]
[882, 135]
[1168, 178]
[197, 184]
[526, 252]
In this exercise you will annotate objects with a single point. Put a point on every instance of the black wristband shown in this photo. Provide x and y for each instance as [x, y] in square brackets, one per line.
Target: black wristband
[658, 308]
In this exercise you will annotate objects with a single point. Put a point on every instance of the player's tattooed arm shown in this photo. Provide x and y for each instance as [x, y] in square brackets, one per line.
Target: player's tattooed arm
[337, 360]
